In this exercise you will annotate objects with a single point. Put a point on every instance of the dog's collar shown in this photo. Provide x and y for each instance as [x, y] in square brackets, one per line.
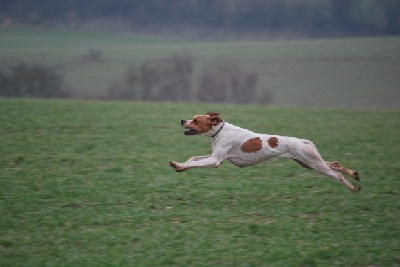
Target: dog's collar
[218, 130]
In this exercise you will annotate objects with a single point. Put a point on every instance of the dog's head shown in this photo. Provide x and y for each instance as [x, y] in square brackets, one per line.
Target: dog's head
[201, 124]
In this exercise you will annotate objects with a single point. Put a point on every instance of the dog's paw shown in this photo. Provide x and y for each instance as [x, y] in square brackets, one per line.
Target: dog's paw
[356, 188]
[173, 164]
[176, 166]
[356, 176]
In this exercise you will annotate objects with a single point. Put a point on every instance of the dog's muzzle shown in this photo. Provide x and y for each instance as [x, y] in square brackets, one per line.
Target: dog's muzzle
[191, 131]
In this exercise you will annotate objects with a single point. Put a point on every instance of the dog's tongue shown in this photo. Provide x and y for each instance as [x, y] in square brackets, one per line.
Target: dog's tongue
[190, 132]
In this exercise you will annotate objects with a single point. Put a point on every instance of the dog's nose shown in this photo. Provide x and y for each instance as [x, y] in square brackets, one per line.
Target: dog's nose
[183, 122]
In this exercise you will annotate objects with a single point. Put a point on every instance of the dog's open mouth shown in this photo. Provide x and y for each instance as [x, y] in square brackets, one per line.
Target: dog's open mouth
[191, 131]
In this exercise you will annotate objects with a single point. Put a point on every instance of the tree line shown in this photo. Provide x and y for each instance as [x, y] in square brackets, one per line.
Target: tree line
[210, 17]
[173, 79]
[170, 79]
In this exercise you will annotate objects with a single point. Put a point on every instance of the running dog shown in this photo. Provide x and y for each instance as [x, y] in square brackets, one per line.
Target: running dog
[245, 148]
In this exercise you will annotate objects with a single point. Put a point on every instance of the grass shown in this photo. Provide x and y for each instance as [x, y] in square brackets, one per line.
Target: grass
[86, 183]
[360, 73]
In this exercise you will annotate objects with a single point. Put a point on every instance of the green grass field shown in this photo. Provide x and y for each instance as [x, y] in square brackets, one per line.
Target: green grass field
[87, 183]
[350, 73]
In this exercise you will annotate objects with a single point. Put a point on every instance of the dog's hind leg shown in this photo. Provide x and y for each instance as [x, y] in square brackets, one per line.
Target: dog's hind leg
[337, 167]
[309, 157]
[324, 169]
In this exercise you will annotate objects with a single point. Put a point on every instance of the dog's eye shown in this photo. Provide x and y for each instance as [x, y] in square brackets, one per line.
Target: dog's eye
[194, 121]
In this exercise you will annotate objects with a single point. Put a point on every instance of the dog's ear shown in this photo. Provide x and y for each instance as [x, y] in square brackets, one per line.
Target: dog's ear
[215, 119]
[213, 114]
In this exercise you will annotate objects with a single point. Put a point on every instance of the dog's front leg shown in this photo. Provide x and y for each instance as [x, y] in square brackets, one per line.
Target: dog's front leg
[196, 162]
[196, 158]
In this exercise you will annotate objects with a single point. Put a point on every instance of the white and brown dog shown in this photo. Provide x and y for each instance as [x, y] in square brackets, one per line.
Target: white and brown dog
[245, 148]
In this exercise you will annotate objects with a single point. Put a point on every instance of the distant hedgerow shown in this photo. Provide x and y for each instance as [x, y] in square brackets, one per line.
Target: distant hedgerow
[227, 82]
[31, 81]
[173, 79]
[159, 80]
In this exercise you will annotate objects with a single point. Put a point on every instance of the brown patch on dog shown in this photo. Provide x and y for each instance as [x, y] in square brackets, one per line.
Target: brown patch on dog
[252, 145]
[273, 142]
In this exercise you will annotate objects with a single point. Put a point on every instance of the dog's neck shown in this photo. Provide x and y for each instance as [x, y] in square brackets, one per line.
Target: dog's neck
[219, 130]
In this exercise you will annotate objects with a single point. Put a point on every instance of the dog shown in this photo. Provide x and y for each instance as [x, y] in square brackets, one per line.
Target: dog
[244, 148]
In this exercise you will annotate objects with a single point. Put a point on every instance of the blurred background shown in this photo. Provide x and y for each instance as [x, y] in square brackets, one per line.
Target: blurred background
[329, 53]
